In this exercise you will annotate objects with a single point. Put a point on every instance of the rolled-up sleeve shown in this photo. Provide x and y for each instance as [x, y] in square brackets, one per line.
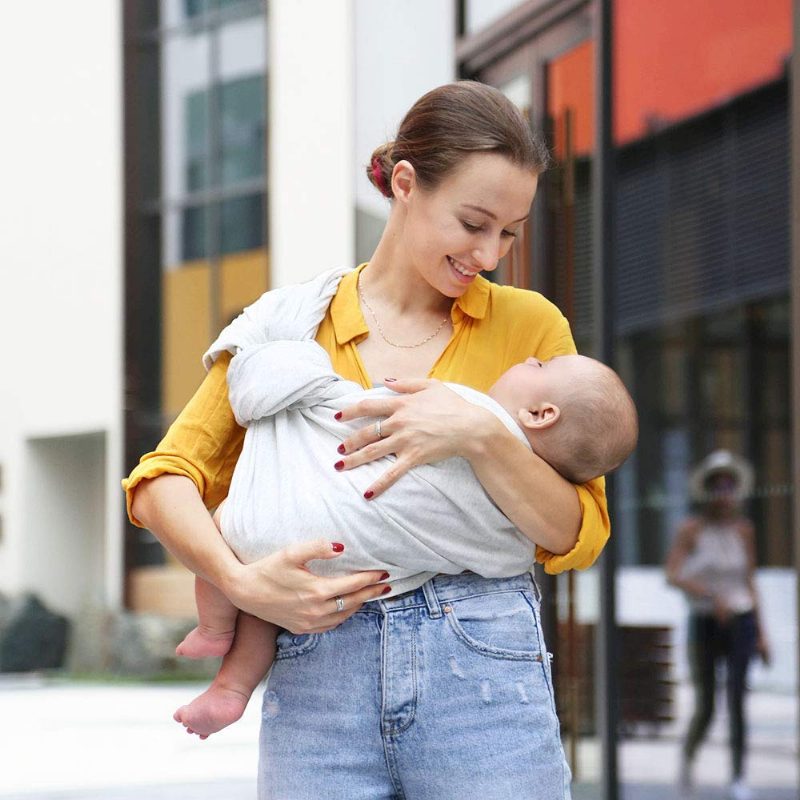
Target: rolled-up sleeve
[203, 444]
[595, 525]
[592, 537]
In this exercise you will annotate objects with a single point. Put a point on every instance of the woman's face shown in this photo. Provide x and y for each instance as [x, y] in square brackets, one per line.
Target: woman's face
[722, 489]
[468, 223]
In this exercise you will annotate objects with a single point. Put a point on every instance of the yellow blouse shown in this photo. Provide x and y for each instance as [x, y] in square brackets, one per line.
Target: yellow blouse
[494, 327]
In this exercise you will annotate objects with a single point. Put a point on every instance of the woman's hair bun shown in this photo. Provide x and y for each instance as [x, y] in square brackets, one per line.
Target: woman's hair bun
[379, 169]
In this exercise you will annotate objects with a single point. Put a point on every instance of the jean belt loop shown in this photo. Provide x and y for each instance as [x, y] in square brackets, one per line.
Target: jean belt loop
[431, 600]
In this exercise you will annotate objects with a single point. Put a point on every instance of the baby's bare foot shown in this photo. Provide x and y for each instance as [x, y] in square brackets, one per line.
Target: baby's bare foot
[212, 711]
[203, 642]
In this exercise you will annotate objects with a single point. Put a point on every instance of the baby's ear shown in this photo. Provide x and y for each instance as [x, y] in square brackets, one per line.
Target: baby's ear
[541, 416]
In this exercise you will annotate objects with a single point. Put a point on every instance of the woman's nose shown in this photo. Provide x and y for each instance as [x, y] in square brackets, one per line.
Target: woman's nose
[487, 256]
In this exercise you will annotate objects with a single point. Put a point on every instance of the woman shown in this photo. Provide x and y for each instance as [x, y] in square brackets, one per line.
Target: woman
[713, 561]
[444, 691]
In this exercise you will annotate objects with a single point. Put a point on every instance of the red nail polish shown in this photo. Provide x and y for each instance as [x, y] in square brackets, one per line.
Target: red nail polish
[339, 465]
[340, 449]
[384, 576]
[386, 590]
[337, 547]
[368, 494]
[337, 415]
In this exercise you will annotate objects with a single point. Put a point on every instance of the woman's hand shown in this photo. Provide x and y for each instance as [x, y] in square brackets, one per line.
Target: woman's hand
[722, 611]
[281, 589]
[426, 422]
[763, 650]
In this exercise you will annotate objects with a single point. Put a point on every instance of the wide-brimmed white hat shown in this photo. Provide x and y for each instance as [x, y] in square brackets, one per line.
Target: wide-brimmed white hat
[721, 462]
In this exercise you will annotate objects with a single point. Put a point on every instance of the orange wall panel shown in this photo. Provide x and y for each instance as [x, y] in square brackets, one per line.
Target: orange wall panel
[676, 58]
[570, 86]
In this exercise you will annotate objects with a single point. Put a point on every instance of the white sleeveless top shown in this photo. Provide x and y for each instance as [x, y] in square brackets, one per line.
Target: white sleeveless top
[719, 560]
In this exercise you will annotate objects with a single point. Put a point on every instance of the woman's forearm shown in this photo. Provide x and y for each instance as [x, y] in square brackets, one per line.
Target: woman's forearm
[171, 507]
[278, 588]
[543, 505]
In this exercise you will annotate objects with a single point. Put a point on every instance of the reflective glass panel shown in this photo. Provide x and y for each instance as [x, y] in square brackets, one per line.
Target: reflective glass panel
[701, 243]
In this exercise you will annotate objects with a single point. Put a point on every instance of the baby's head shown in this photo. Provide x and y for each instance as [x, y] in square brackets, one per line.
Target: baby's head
[575, 412]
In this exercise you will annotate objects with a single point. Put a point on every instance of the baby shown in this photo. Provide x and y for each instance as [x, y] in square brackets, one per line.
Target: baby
[572, 411]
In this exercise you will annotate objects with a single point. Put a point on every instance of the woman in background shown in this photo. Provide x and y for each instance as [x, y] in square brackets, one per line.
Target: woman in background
[713, 561]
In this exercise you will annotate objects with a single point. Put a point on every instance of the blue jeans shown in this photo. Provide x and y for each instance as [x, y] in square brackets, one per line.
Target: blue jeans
[443, 693]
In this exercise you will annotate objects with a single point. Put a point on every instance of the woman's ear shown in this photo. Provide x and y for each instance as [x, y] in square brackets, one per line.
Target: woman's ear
[540, 417]
[404, 179]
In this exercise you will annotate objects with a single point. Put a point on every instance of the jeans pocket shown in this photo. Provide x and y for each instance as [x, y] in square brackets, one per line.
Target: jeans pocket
[498, 625]
[291, 645]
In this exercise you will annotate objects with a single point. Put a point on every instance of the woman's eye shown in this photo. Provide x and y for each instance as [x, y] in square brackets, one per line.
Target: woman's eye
[470, 227]
[510, 233]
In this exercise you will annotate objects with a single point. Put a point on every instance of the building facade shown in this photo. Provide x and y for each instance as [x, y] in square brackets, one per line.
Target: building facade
[208, 150]
[61, 313]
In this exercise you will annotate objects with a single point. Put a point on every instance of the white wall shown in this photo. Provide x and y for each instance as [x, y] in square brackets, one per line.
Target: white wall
[61, 246]
[342, 74]
[64, 521]
[403, 48]
[310, 154]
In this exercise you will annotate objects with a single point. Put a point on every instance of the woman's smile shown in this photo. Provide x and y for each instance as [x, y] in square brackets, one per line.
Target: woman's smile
[463, 273]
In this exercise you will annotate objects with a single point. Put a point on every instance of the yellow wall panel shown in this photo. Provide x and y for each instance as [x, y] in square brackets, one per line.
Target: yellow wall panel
[187, 324]
[186, 334]
[243, 279]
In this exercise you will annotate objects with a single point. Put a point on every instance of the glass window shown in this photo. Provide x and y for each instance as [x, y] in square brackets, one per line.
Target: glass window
[702, 248]
[194, 233]
[241, 109]
[196, 8]
[213, 121]
[243, 115]
[242, 223]
[196, 133]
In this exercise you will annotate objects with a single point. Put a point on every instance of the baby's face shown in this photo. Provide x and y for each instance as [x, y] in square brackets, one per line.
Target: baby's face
[534, 381]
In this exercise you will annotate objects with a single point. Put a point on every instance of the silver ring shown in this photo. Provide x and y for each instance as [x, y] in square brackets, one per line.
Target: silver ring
[339, 604]
[378, 429]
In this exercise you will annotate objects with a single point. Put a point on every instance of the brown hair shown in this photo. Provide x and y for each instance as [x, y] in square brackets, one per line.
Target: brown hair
[598, 426]
[451, 122]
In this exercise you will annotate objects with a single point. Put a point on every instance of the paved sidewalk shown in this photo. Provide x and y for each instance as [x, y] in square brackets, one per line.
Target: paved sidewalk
[117, 741]
[648, 766]
[64, 740]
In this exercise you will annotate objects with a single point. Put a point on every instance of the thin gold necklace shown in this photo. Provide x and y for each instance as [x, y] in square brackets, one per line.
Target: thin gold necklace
[380, 328]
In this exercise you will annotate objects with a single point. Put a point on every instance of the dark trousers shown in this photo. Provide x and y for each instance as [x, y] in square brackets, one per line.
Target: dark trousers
[710, 643]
